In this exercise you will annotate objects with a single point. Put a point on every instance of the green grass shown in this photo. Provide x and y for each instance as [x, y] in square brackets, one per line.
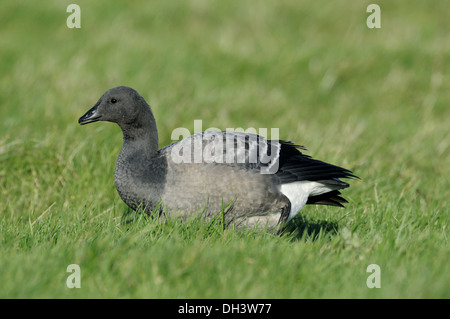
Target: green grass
[373, 101]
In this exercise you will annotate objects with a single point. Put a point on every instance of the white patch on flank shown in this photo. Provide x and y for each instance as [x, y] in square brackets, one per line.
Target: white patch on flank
[298, 193]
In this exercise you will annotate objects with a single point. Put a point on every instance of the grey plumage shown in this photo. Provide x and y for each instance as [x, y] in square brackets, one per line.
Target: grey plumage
[263, 181]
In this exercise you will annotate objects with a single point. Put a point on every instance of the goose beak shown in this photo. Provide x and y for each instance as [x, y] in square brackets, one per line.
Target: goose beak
[90, 116]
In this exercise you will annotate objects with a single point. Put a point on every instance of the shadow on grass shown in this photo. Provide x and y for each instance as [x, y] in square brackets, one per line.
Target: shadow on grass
[129, 216]
[301, 228]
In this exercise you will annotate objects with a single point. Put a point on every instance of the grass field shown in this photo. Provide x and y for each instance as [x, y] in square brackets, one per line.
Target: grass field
[375, 101]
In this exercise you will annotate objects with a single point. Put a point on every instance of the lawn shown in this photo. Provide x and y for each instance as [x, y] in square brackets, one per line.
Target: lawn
[375, 101]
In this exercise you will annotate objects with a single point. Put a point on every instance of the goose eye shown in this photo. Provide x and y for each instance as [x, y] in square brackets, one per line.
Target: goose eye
[113, 101]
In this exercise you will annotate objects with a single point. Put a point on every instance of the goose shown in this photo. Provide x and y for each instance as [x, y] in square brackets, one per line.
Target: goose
[253, 182]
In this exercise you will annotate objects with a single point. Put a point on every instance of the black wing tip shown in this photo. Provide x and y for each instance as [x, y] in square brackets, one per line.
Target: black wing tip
[351, 175]
[330, 199]
[293, 145]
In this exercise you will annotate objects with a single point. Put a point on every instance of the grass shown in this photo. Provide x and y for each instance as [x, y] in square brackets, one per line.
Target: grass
[374, 101]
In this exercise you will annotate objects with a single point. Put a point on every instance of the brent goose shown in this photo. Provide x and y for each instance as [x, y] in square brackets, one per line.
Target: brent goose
[252, 181]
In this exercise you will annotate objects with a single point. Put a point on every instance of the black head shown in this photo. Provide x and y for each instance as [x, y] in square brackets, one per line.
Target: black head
[121, 105]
